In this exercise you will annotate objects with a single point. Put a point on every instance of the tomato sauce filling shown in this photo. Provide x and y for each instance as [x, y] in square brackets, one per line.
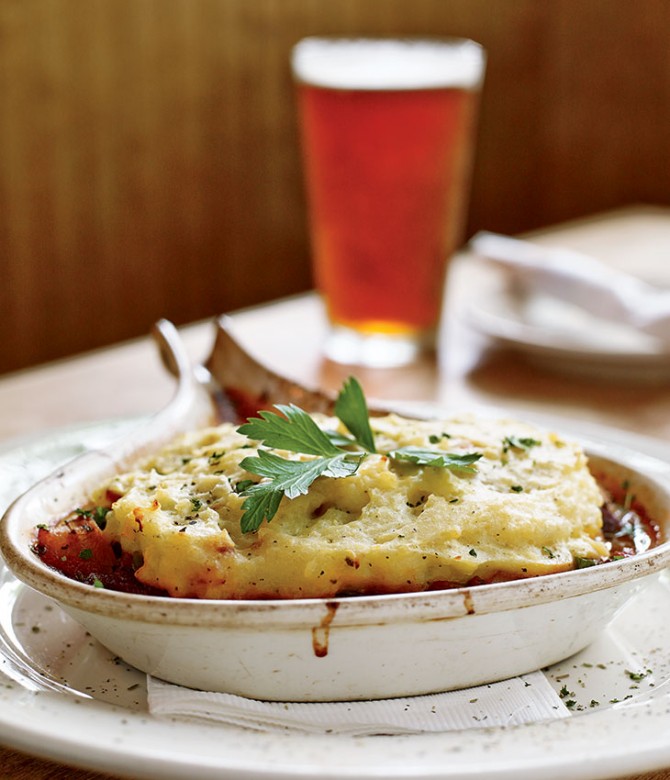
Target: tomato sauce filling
[76, 547]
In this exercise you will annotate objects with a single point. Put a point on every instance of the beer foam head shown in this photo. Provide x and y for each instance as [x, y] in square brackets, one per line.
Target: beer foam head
[379, 63]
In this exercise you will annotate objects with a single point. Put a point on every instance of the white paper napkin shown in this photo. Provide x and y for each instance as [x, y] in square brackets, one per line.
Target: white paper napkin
[512, 702]
[580, 280]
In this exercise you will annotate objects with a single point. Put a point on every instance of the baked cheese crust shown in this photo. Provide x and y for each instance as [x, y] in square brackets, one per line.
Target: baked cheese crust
[529, 507]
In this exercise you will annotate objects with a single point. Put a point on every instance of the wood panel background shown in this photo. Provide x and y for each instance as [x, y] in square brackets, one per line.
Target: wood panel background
[149, 155]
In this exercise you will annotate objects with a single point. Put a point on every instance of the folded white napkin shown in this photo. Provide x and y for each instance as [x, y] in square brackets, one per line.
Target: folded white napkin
[512, 702]
[580, 280]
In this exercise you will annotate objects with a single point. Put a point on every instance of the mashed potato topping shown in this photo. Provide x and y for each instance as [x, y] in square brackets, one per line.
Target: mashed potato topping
[529, 506]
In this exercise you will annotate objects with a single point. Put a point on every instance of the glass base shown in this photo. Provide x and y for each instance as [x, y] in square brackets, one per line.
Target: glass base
[376, 350]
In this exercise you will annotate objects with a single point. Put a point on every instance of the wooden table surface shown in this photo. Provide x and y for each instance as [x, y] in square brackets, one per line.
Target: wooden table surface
[128, 380]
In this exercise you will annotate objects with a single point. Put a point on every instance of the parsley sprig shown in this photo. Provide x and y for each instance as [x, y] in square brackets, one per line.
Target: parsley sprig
[337, 454]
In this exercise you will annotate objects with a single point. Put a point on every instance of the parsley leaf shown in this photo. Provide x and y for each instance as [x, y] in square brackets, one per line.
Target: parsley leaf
[424, 457]
[352, 410]
[295, 431]
[289, 478]
[262, 503]
[293, 477]
[340, 439]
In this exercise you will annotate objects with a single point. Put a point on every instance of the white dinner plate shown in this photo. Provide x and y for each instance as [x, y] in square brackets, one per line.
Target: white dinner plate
[64, 697]
[563, 337]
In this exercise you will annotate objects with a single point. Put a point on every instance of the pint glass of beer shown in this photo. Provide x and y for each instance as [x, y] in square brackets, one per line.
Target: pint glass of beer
[388, 130]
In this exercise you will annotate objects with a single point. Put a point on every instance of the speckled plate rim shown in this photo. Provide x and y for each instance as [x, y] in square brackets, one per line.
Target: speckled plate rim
[624, 739]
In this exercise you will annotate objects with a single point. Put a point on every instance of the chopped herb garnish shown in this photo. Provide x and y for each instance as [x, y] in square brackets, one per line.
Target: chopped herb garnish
[418, 502]
[86, 554]
[98, 514]
[584, 563]
[473, 552]
[517, 488]
[435, 439]
[519, 443]
[549, 553]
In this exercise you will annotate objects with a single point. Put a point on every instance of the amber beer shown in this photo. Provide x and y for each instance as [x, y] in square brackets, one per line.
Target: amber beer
[387, 134]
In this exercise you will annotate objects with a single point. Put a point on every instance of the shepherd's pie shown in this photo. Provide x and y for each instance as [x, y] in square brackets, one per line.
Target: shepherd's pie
[529, 506]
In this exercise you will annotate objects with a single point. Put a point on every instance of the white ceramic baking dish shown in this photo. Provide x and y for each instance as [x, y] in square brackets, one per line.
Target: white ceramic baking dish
[326, 650]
